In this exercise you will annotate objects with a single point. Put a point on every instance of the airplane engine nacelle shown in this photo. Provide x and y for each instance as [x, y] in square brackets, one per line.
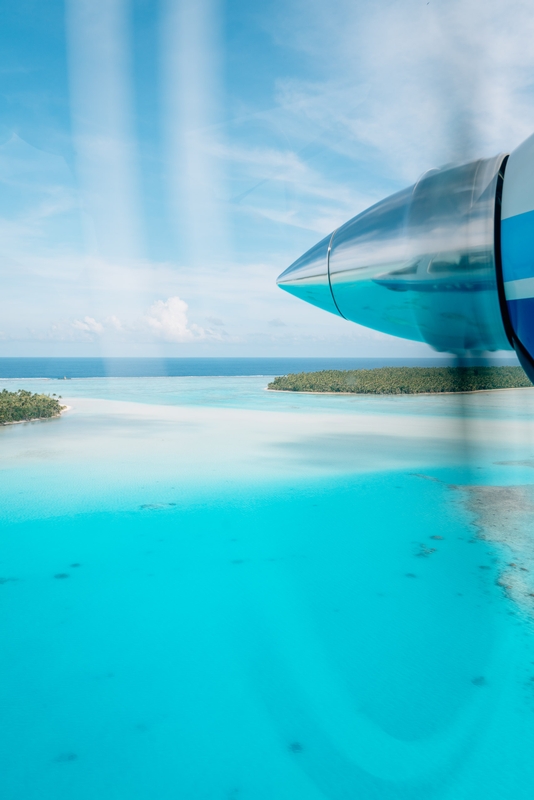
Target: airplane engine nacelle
[448, 261]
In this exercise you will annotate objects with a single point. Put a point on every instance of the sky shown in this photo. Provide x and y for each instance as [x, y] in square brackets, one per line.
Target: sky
[162, 161]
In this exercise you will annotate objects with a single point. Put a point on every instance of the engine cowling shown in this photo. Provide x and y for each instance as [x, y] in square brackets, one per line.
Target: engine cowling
[448, 261]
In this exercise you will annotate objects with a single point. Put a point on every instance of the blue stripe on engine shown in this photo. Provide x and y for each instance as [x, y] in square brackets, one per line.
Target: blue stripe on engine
[521, 313]
[517, 247]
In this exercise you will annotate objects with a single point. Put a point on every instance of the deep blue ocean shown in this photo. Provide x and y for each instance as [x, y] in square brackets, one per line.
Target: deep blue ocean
[174, 367]
[210, 591]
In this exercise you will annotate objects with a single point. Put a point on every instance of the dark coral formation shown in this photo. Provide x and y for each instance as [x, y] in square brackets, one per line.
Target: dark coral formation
[504, 515]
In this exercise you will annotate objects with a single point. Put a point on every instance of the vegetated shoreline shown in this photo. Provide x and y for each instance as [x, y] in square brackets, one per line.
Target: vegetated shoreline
[399, 394]
[64, 410]
[23, 406]
[403, 381]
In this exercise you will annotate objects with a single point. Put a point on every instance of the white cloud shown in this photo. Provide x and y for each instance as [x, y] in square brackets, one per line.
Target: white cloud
[168, 320]
[115, 323]
[434, 81]
[88, 324]
[283, 186]
[405, 86]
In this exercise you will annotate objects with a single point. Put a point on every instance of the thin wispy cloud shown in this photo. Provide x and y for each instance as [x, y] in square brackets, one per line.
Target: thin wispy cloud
[89, 325]
[442, 80]
[189, 175]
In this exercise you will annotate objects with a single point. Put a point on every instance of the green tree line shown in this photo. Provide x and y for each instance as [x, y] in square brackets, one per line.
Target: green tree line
[23, 405]
[404, 380]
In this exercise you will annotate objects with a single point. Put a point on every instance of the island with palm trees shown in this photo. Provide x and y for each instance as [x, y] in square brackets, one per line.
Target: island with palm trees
[23, 406]
[404, 380]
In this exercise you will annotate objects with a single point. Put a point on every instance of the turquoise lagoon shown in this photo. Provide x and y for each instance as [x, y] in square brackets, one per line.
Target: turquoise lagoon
[214, 592]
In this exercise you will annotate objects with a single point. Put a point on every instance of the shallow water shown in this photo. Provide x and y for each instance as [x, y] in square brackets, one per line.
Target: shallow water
[211, 591]
[249, 392]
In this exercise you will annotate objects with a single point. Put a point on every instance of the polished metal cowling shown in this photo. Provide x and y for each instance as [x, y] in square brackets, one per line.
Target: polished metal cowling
[420, 264]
